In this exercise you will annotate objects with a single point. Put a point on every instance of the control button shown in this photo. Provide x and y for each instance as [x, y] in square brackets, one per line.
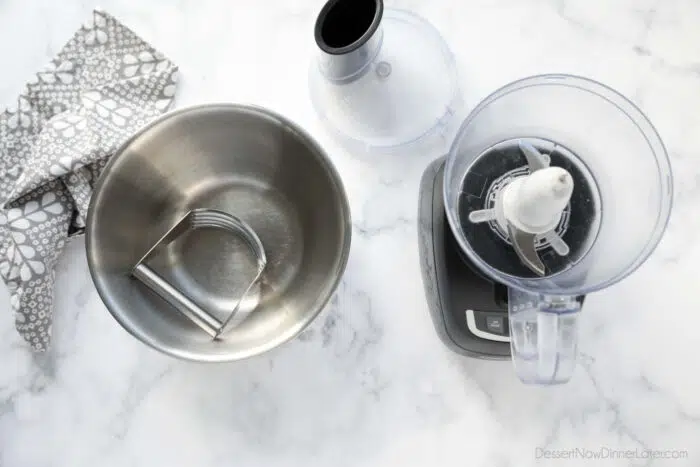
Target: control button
[489, 326]
[494, 324]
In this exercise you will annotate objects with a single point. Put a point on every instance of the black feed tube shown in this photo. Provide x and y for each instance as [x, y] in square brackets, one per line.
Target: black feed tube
[345, 25]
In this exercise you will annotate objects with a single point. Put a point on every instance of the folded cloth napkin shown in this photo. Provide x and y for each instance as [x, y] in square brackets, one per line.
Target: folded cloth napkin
[105, 84]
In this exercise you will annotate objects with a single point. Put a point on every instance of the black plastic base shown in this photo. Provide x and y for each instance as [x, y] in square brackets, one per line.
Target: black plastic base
[469, 311]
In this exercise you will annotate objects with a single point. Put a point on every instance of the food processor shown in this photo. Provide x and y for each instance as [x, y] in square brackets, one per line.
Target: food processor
[555, 187]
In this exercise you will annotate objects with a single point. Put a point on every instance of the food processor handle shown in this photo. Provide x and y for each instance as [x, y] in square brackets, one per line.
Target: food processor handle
[543, 336]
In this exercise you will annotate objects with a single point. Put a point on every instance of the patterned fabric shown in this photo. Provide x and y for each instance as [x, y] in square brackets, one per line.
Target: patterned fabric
[103, 86]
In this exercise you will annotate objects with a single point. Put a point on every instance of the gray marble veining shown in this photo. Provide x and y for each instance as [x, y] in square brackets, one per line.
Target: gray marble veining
[370, 384]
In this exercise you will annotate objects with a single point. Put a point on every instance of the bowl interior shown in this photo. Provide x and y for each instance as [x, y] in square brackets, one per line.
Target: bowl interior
[248, 162]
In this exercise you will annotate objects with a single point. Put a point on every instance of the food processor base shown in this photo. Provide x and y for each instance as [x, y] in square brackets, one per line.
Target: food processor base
[469, 311]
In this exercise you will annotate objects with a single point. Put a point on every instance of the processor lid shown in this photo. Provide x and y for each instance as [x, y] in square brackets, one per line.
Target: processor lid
[382, 79]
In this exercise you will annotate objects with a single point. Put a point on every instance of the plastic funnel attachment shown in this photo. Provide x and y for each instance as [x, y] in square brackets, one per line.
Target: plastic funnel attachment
[382, 79]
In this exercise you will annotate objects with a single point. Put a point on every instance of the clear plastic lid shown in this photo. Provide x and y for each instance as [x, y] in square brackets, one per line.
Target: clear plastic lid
[383, 78]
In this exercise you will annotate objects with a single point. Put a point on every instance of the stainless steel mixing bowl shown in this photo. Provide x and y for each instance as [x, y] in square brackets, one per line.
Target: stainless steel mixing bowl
[245, 161]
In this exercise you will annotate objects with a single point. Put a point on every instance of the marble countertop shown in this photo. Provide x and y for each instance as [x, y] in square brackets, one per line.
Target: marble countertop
[370, 384]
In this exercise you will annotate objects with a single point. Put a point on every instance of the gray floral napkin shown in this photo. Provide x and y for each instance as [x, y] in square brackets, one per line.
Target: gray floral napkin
[105, 84]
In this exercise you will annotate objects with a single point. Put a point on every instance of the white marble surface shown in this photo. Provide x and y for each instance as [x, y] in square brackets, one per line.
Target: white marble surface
[370, 384]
